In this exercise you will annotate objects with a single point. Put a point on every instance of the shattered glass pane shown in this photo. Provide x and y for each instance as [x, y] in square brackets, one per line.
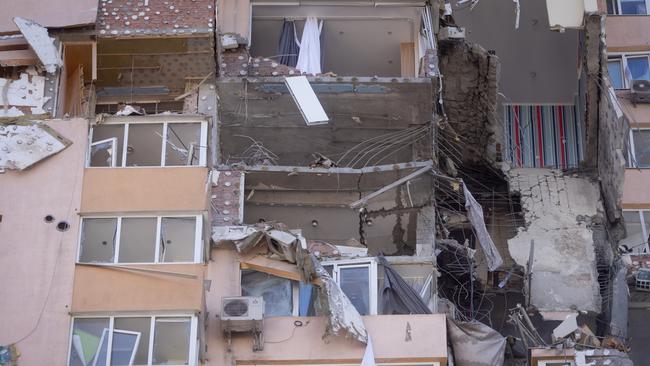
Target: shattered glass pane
[177, 239]
[277, 292]
[144, 144]
[86, 341]
[138, 240]
[98, 240]
[140, 325]
[101, 154]
[183, 144]
[98, 154]
[355, 284]
[171, 341]
[642, 148]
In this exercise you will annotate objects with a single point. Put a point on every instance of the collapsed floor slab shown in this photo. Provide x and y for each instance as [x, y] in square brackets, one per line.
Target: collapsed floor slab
[559, 212]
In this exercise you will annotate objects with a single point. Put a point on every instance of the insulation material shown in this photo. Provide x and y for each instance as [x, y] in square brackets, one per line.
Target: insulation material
[25, 143]
[41, 43]
[475, 216]
[476, 344]
[28, 91]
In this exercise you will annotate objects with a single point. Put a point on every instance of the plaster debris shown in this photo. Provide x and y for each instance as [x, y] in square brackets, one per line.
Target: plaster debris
[41, 43]
[559, 212]
[11, 112]
[22, 144]
[475, 216]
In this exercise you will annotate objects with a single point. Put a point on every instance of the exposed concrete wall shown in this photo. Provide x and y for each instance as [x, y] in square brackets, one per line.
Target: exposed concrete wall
[559, 212]
[470, 96]
[106, 289]
[36, 260]
[111, 190]
[541, 64]
[304, 345]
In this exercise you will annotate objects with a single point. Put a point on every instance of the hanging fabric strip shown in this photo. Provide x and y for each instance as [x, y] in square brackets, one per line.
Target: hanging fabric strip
[309, 57]
[288, 47]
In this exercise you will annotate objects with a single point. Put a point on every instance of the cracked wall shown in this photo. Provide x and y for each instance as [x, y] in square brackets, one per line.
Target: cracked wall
[470, 88]
[561, 214]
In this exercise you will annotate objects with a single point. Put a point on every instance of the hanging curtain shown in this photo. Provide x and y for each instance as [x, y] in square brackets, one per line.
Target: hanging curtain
[288, 47]
[309, 57]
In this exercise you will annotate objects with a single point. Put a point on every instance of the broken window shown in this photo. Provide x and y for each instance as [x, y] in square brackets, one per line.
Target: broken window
[98, 239]
[106, 146]
[183, 144]
[141, 239]
[639, 153]
[144, 144]
[148, 144]
[358, 280]
[126, 341]
[276, 291]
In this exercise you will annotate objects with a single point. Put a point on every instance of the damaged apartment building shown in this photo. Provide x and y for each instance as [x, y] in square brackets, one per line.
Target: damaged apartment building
[263, 182]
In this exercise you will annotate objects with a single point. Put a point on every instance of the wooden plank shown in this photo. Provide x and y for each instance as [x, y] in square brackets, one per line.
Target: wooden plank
[18, 58]
[407, 59]
[13, 44]
[273, 267]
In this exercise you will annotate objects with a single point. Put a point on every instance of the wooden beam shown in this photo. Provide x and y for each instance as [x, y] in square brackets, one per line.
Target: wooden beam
[18, 58]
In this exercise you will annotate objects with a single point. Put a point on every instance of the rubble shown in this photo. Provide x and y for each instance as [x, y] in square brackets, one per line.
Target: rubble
[23, 144]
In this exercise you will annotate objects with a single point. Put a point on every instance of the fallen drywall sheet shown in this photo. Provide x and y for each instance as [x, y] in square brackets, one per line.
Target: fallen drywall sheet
[22, 144]
[41, 43]
[28, 91]
[558, 212]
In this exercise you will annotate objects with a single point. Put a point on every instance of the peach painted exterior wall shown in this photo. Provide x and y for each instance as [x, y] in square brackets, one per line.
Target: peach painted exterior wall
[37, 260]
[636, 193]
[627, 33]
[106, 289]
[305, 346]
[114, 190]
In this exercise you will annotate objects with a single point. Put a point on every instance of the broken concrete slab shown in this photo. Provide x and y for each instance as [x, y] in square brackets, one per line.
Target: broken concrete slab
[41, 42]
[559, 212]
[24, 143]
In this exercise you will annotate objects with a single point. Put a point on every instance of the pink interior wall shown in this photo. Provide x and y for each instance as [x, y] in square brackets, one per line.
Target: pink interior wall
[304, 345]
[36, 260]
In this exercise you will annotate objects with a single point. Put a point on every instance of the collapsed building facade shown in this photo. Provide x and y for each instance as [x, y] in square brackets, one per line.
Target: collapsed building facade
[400, 185]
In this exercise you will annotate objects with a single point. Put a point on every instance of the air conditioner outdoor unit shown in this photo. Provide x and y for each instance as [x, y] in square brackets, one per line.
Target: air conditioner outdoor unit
[242, 314]
[641, 91]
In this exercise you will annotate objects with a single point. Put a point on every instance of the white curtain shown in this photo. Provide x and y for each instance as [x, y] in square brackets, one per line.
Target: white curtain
[309, 56]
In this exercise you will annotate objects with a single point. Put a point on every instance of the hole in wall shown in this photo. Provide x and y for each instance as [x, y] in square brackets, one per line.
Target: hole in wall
[62, 226]
[48, 218]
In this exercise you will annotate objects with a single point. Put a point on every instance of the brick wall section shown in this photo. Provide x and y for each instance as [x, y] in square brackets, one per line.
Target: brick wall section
[224, 201]
[120, 18]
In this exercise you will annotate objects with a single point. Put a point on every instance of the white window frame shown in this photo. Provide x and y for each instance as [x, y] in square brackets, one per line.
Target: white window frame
[193, 356]
[198, 239]
[632, 161]
[203, 148]
[623, 57]
[644, 229]
[371, 264]
[295, 292]
[617, 8]
[113, 141]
